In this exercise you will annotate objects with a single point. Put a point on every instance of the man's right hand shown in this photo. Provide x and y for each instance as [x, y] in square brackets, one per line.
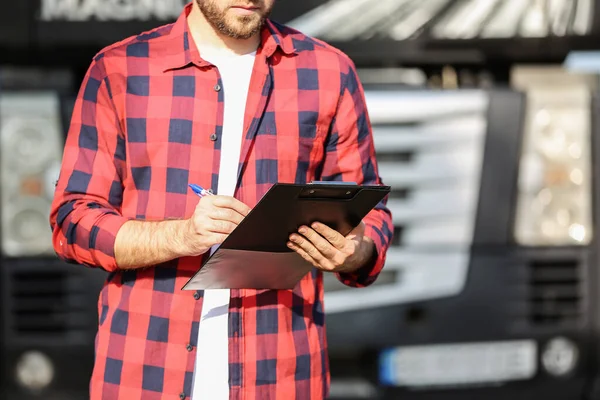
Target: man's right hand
[141, 244]
[215, 217]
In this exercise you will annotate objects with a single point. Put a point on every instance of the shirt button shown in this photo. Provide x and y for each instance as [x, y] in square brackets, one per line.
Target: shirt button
[182, 396]
[217, 87]
[213, 137]
[196, 295]
[189, 347]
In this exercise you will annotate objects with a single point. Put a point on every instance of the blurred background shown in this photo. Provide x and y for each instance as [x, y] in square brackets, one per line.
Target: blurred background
[485, 117]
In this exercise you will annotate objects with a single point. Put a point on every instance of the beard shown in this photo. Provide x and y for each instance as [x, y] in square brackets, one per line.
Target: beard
[234, 26]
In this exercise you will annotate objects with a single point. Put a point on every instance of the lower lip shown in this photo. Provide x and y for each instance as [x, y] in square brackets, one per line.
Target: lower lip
[244, 11]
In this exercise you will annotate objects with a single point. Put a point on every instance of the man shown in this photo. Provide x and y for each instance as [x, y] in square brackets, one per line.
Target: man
[227, 99]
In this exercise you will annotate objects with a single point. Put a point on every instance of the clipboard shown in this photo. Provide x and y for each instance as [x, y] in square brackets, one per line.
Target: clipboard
[255, 255]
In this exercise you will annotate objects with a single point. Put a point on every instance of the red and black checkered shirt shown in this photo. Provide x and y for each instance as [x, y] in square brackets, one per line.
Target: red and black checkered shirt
[148, 121]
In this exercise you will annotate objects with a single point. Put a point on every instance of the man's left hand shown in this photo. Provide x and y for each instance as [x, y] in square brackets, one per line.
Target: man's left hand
[330, 251]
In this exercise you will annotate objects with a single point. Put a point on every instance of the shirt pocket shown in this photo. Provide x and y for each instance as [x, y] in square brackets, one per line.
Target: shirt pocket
[298, 152]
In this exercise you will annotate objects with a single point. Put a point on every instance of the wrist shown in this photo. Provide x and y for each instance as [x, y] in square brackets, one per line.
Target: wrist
[368, 255]
[190, 239]
[182, 234]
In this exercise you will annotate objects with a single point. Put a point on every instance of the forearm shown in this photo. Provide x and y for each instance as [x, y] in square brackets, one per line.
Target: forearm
[140, 244]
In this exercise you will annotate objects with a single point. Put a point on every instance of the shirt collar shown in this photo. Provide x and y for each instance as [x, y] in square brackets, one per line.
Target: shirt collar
[178, 50]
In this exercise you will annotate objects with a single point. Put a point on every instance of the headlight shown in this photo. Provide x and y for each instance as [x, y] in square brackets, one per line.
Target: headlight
[35, 371]
[26, 227]
[554, 190]
[30, 156]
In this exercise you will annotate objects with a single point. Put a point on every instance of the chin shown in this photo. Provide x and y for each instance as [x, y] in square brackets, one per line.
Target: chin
[243, 29]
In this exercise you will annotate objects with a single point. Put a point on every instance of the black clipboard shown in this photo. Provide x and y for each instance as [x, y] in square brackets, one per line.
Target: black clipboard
[255, 255]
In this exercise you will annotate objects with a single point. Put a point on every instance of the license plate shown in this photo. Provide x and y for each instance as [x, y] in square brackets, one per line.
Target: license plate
[459, 364]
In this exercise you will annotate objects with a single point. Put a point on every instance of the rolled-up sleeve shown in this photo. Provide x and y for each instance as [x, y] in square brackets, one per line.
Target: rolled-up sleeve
[86, 210]
[350, 157]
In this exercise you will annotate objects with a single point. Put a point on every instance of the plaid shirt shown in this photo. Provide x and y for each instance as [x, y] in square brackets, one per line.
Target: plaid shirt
[148, 121]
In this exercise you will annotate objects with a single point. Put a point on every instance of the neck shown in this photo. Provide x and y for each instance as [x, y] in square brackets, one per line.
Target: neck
[205, 35]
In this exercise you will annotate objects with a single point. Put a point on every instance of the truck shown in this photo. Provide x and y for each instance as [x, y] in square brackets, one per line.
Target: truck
[489, 288]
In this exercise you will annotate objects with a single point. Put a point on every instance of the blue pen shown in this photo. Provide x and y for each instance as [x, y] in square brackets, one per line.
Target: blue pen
[199, 190]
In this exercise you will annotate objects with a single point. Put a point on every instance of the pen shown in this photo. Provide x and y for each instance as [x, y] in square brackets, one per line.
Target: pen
[199, 190]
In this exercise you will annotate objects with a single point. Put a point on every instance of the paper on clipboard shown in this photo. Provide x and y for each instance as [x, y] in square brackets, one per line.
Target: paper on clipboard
[228, 269]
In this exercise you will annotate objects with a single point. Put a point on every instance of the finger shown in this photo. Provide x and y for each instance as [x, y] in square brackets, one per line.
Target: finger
[318, 241]
[226, 214]
[312, 251]
[303, 254]
[334, 237]
[230, 202]
[220, 226]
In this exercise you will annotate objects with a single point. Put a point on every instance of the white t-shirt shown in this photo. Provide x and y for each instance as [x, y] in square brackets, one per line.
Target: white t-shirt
[211, 372]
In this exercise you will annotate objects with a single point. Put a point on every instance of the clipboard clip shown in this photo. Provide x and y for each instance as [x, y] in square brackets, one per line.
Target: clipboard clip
[329, 190]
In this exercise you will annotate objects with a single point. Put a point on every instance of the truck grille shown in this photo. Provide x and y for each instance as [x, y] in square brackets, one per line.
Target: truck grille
[555, 293]
[429, 149]
[48, 303]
